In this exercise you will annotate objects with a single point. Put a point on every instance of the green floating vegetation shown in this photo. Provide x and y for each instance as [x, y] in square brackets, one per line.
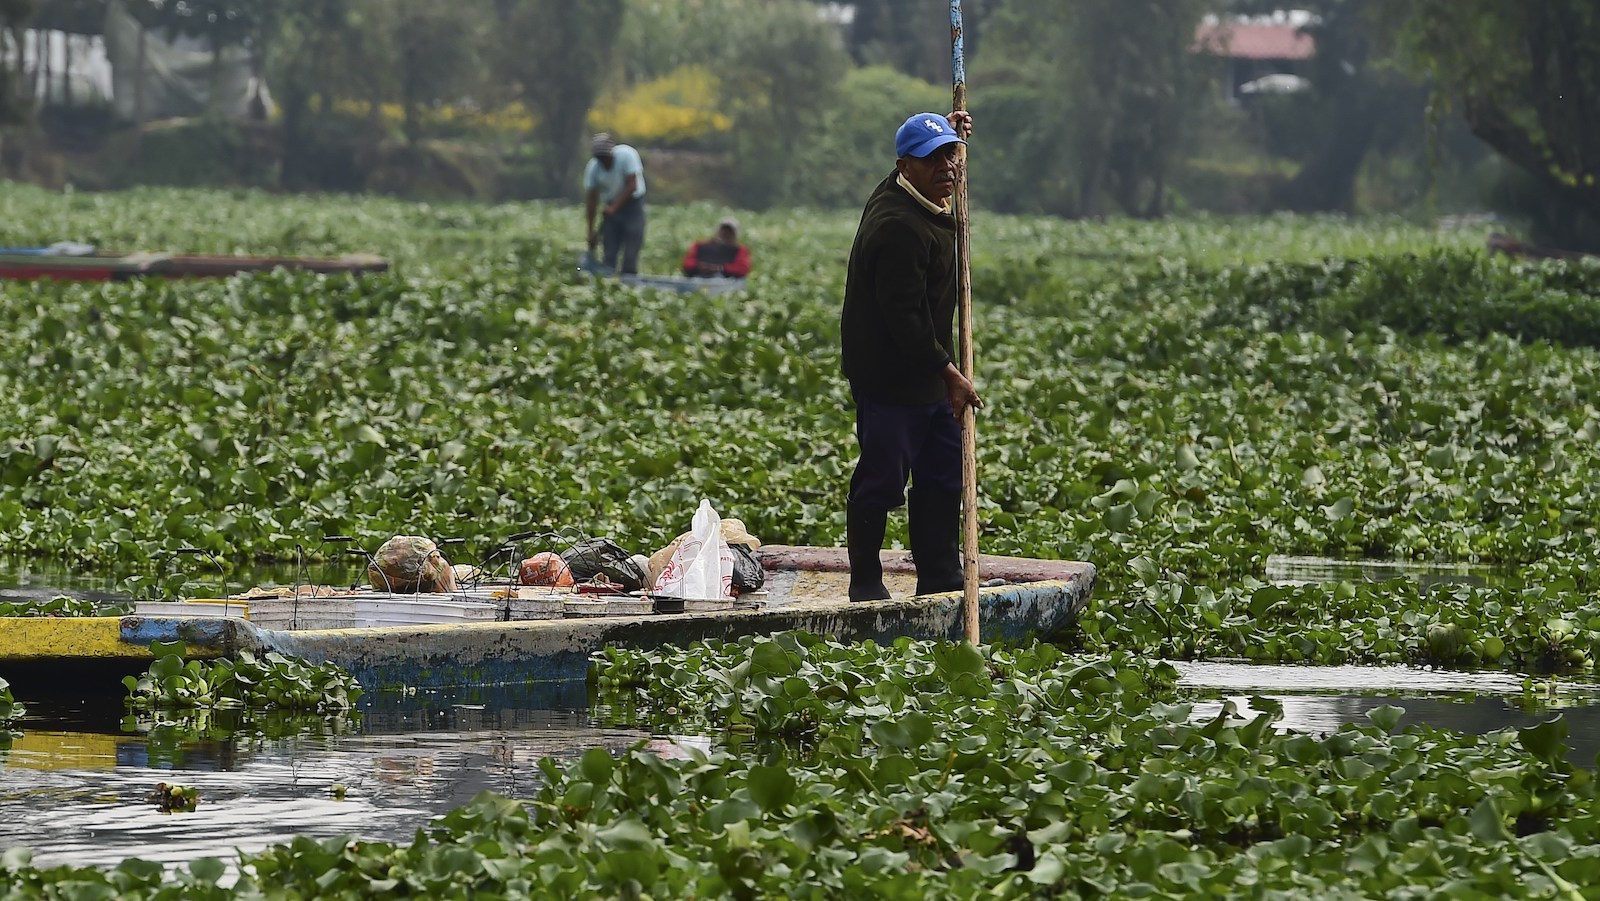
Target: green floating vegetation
[173, 798]
[1454, 294]
[1199, 393]
[60, 605]
[274, 681]
[246, 415]
[10, 709]
[946, 771]
[796, 685]
[1546, 621]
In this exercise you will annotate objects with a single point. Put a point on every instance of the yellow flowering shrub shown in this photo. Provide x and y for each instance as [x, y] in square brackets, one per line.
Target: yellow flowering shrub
[513, 117]
[679, 107]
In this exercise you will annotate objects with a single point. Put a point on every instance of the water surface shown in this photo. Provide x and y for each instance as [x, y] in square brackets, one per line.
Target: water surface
[75, 787]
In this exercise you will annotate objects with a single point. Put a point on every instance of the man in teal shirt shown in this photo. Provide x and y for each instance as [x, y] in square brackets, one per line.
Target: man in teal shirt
[613, 182]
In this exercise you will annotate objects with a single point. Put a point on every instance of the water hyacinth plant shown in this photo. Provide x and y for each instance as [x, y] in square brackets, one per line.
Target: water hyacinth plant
[1542, 621]
[60, 605]
[10, 710]
[273, 681]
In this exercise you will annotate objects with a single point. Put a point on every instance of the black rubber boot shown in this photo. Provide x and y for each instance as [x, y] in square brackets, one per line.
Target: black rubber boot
[934, 523]
[864, 528]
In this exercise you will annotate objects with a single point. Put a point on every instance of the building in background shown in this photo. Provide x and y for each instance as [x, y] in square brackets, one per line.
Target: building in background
[1264, 55]
[90, 55]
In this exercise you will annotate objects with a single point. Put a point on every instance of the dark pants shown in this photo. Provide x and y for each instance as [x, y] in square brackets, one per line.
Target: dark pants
[623, 232]
[922, 442]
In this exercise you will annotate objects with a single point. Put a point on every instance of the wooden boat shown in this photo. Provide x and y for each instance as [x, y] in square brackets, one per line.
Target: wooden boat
[478, 638]
[23, 264]
[682, 284]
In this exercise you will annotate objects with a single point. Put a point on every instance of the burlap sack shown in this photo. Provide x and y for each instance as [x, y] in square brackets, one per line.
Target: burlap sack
[410, 563]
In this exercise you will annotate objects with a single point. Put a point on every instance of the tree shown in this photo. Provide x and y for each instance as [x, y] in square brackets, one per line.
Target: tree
[1085, 104]
[1526, 79]
[557, 54]
[14, 107]
[786, 64]
[434, 52]
[854, 148]
[661, 36]
[913, 36]
[307, 43]
[1356, 103]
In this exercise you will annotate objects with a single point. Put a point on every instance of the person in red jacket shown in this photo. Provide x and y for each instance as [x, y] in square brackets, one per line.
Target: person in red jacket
[720, 256]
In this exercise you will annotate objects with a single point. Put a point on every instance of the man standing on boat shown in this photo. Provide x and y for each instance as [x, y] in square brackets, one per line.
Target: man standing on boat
[900, 301]
[613, 182]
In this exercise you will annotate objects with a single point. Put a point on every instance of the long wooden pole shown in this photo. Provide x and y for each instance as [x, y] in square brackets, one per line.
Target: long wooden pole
[969, 419]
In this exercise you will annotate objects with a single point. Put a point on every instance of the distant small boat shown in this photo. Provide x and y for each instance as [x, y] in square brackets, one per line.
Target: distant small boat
[682, 284]
[1505, 245]
[79, 263]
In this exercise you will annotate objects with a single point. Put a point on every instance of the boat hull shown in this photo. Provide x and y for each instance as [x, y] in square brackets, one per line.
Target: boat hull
[114, 267]
[1042, 600]
[681, 284]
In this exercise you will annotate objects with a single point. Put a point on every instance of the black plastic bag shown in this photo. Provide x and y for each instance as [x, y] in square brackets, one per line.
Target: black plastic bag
[748, 573]
[602, 556]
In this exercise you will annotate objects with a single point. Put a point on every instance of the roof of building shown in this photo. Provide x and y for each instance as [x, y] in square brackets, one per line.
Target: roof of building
[1247, 40]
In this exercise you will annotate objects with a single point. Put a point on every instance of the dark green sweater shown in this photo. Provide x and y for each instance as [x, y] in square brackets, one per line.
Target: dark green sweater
[900, 300]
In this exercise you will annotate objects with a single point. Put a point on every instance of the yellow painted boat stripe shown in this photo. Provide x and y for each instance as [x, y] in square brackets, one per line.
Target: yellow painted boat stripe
[51, 637]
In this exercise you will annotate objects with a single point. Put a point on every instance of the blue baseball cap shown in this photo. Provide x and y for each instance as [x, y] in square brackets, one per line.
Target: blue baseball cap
[924, 133]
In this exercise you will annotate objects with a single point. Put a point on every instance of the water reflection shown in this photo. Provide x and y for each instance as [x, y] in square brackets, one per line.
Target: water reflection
[1285, 569]
[1355, 679]
[30, 580]
[1466, 714]
[1322, 699]
[80, 795]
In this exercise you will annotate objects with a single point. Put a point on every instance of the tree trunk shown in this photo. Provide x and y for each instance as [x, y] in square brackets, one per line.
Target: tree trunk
[138, 96]
[1157, 207]
[1096, 162]
[44, 63]
[409, 92]
[1327, 182]
[214, 98]
[294, 103]
[413, 123]
[36, 81]
[1492, 126]
[66, 71]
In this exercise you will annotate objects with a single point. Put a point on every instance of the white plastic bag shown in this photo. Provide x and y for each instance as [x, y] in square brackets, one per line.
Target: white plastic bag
[701, 567]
